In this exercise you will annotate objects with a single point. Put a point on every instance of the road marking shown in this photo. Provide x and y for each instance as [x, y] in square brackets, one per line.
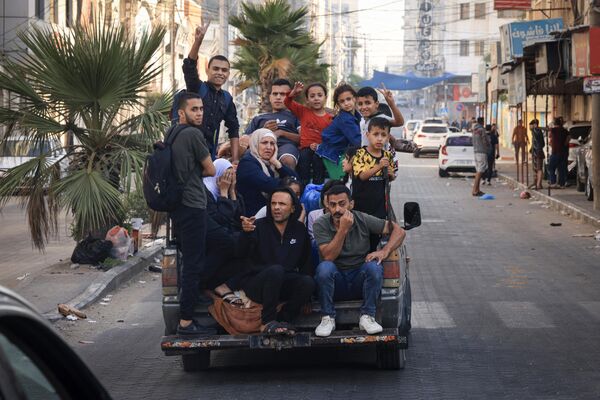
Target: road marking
[521, 314]
[416, 166]
[430, 315]
[593, 307]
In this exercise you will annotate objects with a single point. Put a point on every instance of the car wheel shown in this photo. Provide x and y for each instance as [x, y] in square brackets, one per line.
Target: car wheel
[390, 356]
[443, 173]
[580, 184]
[199, 361]
[589, 190]
[416, 154]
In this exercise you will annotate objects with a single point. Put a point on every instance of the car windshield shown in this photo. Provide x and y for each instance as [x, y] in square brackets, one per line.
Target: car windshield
[411, 125]
[434, 129]
[460, 141]
[434, 121]
[18, 148]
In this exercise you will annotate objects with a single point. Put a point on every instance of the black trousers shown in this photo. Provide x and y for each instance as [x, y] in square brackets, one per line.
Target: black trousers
[273, 284]
[190, 228]
[310, 166]
[221, 253]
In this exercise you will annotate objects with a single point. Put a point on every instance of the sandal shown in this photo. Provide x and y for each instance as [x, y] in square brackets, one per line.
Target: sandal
[478, 194]
[232, 299]
[278, 328]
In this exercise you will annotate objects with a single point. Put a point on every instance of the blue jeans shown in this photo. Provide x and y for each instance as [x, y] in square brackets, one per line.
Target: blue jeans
[560, 162]
[364, 282]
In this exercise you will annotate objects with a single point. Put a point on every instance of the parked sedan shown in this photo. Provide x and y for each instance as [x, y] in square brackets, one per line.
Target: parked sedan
[410, 128]
[584, 169]
[429, 138]
[456, 154]
[579, 131]
[36, 363]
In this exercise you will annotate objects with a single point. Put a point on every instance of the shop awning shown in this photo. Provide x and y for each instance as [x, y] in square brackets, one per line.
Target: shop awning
[408, 81]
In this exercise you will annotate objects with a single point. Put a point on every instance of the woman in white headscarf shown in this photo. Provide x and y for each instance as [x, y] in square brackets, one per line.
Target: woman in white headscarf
[223, 226]
[259, 170]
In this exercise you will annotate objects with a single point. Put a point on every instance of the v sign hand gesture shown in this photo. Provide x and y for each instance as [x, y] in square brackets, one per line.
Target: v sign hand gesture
[201, 31]
[387, 94]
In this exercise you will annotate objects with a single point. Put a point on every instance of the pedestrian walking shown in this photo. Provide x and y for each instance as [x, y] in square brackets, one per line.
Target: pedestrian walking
[520, 141]
[559, 144]
[493, 152]
[537, 152]
[481, 146]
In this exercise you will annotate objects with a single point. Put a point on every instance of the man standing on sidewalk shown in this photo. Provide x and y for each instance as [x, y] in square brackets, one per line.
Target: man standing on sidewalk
[218, 103]
[559, 143]
[481, 146]
[520, 141]
[537, 152]
[191, 161]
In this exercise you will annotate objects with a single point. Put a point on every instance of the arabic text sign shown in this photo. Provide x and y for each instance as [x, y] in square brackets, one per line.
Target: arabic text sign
[530, 31]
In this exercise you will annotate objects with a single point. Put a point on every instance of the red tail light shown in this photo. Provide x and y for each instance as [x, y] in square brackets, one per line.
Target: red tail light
[444, 152]
[421, 135]
[571, 145]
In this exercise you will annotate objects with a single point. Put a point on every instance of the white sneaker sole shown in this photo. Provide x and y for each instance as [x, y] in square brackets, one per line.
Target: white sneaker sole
[372, 332]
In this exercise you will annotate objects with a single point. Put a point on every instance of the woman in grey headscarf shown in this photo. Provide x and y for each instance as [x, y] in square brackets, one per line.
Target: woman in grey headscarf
[259, 170]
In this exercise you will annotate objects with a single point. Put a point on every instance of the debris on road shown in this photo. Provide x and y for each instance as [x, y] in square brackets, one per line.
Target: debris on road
[20, 278]
[155, 268]
[72, 317]
[487, 196]
[66, 310]
[583, 235]
[74, 266]
[120, 320]
[142, 282]
[597, 237]
[555, 224]
[525, 195]
[103, 303]
[86, 342]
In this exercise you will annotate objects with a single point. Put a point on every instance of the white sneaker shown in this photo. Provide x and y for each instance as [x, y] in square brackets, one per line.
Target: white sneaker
[368, 324]
[326, 326]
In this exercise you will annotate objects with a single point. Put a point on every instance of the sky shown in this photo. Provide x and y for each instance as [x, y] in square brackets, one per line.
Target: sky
[382, 23]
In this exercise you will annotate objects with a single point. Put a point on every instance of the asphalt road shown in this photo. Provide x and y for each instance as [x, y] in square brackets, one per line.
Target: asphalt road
[505, 306]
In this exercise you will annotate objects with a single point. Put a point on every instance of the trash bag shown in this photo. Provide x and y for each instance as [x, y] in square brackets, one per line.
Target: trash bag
[311, 198]
[91, 251]
[122, 245]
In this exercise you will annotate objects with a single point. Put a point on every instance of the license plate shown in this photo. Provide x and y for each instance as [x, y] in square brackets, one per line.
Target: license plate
[464, 162]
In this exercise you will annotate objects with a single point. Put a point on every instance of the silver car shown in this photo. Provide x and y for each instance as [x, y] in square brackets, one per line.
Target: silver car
[584, 169]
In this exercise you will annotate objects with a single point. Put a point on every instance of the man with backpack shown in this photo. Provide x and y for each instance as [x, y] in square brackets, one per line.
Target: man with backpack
[218, 103]
[190, 161]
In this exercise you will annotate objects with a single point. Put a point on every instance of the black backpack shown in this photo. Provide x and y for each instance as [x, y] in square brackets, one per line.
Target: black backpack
[162, 190]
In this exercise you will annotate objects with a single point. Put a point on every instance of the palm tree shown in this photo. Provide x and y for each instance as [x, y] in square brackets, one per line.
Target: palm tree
[88, 85]
[274, 44]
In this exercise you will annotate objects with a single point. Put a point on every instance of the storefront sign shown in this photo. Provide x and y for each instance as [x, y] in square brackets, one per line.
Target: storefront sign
[591, 85]
[595, 50]
[426, 60]
[481, 89]
[514, 35]
[512, 4]
[580, 50]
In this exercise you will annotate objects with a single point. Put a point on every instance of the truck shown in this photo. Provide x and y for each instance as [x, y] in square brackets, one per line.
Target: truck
[393, 313]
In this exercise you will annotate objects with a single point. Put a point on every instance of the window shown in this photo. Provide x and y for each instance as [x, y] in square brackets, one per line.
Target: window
[464, 11]
[462, 141]
[479, 47]
[40, 9]
[55, 11]
[464, 48]
[480, 11]
[69, 13]
[434, 129]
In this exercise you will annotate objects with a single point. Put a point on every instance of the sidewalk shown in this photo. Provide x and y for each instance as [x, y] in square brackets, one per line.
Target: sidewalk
[49, 278]
[567, 200]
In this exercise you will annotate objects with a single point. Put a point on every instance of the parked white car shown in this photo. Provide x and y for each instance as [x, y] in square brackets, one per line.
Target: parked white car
[579, 131]
[410, 128]
[456, 154]
[429, 138]
[16, 151]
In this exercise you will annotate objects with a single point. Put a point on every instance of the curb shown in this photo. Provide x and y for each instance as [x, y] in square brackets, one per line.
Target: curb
[111, 280]
[556, 204]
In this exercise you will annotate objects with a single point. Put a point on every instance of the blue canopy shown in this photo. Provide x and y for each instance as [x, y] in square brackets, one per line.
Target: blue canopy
[408, 81]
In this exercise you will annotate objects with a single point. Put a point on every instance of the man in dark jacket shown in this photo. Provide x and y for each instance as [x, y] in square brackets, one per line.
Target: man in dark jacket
[218, 104]
[559, 158]
[279, 248]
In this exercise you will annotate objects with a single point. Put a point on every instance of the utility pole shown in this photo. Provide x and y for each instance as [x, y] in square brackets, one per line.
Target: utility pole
[595, 22]
[224, 24]
[173, 44]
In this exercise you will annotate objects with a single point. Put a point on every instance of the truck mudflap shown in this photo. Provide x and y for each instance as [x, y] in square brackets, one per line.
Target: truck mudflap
[178, 345]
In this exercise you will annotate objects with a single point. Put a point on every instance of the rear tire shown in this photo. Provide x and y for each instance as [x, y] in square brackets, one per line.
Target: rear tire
[199, 361]
[589, 190]
[416, 154]
[390, 356]
[580, 185]
[443, 173]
